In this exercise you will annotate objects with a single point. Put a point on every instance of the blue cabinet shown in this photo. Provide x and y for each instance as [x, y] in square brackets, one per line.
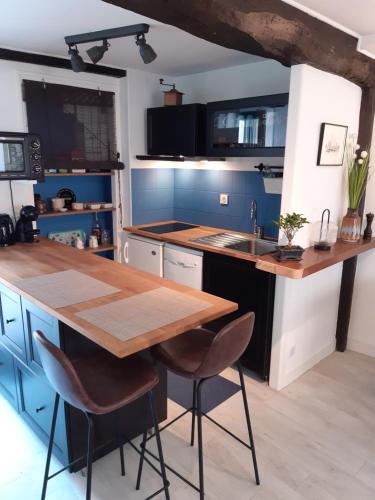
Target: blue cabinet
[8, 385]
[12, 332]
[35, 318]
[36, 402]
[22, 379]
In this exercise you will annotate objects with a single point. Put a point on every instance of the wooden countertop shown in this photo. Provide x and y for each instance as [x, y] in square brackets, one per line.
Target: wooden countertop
[312, 261]
[25, 260]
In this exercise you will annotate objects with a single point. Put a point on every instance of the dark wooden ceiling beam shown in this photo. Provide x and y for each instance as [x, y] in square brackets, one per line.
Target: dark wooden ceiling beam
[267, 28]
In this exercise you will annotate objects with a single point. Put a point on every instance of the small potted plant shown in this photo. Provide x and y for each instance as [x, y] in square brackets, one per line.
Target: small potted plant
[290, 224]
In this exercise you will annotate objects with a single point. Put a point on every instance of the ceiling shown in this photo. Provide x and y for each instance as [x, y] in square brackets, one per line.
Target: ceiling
[40, 26]
[356, 17]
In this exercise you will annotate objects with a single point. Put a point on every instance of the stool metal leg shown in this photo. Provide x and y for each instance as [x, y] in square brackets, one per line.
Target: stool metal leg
[141, 460]
[246, 407]
[193, 412]
[158, 442]
[200, 440]
[119, 441]
[90, 447]
[50, 445]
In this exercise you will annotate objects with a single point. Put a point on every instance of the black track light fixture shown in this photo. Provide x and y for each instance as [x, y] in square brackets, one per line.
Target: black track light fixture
[97, 52]
[76, 60]
[146, 51]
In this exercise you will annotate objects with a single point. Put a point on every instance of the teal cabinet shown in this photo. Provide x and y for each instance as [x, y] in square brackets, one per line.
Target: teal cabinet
[8, 386]
[36, 402]
[35, 318]
[12, 332]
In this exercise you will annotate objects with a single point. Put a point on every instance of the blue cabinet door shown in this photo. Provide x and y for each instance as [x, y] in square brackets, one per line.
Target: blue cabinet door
[7, 377]
[34, 319]
[12, 333]
[36, 402]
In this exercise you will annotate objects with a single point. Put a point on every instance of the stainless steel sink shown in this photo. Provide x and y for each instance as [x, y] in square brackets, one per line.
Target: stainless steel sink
[237, 242]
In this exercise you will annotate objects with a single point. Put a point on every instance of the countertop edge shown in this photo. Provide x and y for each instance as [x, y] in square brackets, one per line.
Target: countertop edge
[312, 262]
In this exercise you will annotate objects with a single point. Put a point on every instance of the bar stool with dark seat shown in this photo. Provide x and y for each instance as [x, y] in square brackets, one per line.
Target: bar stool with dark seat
[199, 355]
[98, 384]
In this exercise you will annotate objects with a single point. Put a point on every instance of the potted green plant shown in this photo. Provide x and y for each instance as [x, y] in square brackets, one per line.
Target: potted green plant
[290, 224]
[357, 167]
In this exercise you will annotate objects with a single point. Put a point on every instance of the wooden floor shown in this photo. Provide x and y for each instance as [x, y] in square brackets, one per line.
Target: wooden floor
[315, 441]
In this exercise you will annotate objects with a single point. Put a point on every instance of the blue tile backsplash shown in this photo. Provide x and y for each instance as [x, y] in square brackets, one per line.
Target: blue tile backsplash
[192, 195]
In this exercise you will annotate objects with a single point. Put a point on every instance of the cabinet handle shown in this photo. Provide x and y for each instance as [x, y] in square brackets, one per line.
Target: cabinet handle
[40, 409]
[153, 252]
[7, 321]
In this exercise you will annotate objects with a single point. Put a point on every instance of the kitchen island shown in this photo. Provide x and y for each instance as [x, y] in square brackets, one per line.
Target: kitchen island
[22, 379]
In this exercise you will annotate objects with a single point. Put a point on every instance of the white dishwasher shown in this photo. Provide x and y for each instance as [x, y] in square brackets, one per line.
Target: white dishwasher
[183, 265]
[144, 253]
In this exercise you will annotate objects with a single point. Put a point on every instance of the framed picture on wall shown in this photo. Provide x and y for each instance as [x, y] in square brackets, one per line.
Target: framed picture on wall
[332, 144]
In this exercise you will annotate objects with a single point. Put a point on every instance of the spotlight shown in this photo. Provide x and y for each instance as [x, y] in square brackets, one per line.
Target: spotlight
[76, 60]
[145, 50]
[97, 52]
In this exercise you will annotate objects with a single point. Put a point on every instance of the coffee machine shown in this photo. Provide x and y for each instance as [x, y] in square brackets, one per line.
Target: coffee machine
[7, 236]
[25, 231]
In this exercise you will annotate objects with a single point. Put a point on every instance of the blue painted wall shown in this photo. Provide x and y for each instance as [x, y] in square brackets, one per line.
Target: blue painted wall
[152, 194]
[192, 195]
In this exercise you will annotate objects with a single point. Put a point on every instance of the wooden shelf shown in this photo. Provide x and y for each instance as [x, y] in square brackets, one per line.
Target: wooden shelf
[101, 248]
[73, 174]
[76, 212]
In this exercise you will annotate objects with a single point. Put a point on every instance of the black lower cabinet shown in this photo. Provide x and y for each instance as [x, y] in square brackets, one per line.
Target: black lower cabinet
[253, 290]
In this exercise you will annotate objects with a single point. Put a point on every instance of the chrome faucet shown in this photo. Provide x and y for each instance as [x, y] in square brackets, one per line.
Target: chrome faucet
[253, 217]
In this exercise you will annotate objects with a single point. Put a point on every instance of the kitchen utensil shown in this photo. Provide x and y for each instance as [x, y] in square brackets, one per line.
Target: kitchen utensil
[57, 203]
[93, 241]
[25, 227]
[6, 231]
[106, 237]
[79, 243]
[93, 206]
[68, 195]
[324, 232]
[78, 205]
[97, 230]
[67, 237]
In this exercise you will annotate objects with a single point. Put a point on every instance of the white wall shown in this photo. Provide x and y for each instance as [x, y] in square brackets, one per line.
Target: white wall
[361, 336]
[249, 80]
[306, 310]
[12, 120]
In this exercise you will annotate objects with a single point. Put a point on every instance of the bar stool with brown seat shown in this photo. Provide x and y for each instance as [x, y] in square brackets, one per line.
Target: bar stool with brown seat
[199, 355]
[98, 384]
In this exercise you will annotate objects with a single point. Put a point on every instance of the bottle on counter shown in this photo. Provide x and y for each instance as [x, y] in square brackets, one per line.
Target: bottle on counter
[97, 230]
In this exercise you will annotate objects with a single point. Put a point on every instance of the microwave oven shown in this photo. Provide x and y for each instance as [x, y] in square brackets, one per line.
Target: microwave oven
[21, 156]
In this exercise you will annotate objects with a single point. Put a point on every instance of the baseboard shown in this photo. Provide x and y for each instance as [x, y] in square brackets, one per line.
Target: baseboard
[362, 347]
[291, 376]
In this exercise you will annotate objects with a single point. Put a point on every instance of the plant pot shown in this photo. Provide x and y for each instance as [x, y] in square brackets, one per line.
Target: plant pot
[289, 253]
[351, 226]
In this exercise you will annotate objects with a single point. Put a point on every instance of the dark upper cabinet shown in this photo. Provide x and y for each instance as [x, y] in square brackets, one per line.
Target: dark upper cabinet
[254, 126]
[177, 130]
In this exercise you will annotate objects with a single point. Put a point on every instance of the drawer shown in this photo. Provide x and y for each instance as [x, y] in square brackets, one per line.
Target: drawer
[8, 385]
[36, 406]
[12, 333]
[35, 318]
